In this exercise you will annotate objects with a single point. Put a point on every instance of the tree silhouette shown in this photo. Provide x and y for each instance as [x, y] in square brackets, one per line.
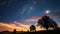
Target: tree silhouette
[53, 24]
[47, 22]
[32, 28]
[40, 23]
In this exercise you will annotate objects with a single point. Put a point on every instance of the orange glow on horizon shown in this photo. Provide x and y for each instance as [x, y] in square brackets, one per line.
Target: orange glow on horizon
[11, 27]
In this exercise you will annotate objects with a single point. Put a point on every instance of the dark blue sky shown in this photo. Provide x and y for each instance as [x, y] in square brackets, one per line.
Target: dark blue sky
[17, 10]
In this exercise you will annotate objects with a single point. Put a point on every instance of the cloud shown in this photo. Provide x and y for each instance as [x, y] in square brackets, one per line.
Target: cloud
[16, 25]
[58, 24]
[55, 15]
[12, 26]
[33, 19]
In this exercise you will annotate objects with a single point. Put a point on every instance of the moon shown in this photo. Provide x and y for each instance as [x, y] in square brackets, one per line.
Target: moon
[47, 12]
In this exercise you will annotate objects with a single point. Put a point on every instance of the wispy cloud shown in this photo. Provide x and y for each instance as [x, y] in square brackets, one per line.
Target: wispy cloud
[55, 15]
[12, 26]
[33, 19]
[16, 25]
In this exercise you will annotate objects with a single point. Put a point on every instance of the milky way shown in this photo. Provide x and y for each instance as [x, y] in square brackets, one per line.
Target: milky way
[21, 10]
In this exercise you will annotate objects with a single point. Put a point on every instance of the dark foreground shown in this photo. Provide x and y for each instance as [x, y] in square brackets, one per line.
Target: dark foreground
[57, 31]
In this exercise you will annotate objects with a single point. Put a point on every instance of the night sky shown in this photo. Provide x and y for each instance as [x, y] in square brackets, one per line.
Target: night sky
[18, 10]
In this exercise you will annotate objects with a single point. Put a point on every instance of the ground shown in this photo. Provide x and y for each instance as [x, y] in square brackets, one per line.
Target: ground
[36, 32]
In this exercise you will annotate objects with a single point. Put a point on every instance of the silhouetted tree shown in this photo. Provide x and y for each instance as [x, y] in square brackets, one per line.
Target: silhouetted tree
[14, 31]
[53, 24]
[32, 28]
[40, 22]
[47, 22]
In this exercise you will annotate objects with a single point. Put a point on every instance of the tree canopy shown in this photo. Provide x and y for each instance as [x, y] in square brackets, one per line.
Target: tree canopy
[47, 22]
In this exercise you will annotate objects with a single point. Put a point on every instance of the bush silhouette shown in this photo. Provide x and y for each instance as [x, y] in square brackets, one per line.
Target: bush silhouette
[32, 28]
